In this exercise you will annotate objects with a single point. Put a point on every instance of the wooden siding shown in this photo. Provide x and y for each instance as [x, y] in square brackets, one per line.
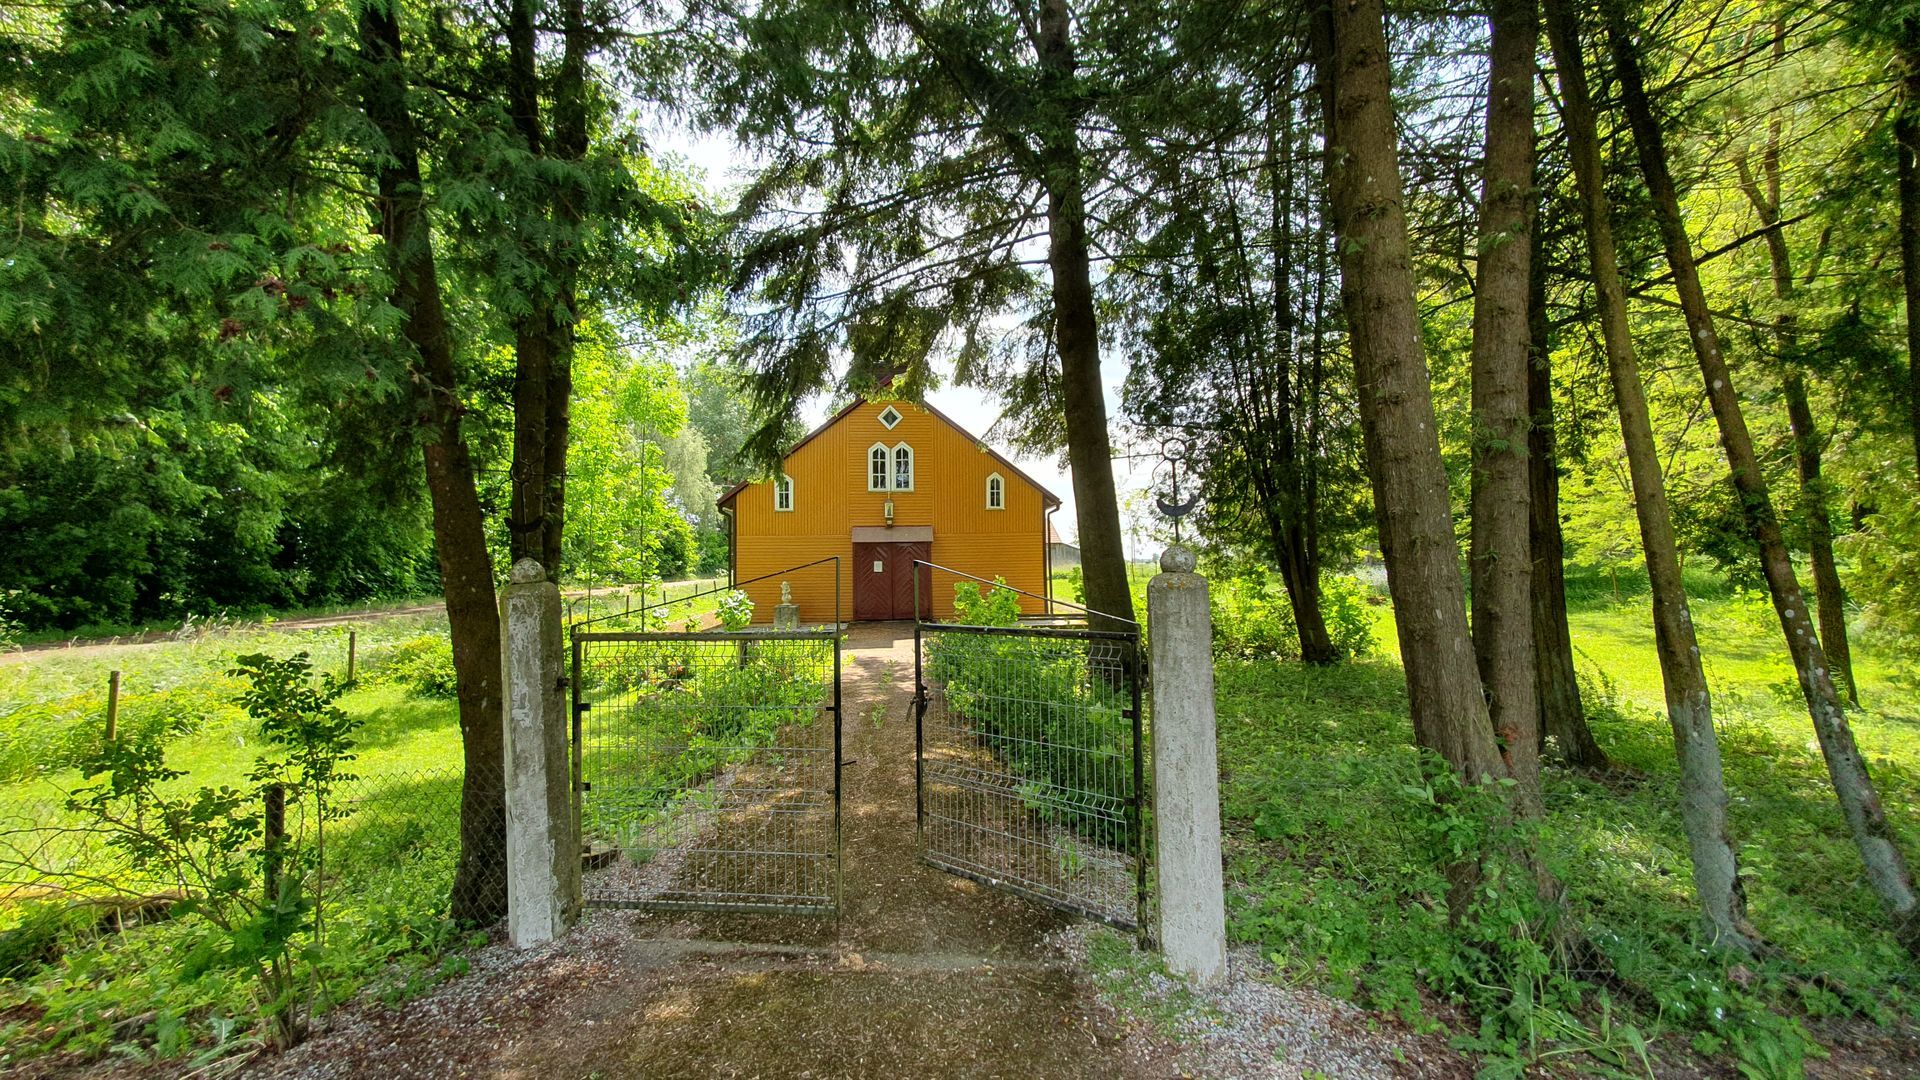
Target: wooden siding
[830, 498]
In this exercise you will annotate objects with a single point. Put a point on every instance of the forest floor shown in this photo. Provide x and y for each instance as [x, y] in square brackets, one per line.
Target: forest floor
[923, 974]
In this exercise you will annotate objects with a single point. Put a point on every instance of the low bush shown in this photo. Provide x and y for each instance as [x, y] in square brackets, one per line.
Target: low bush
[1253, 618]
[422, 664]
[1337, 838]
[735, 609]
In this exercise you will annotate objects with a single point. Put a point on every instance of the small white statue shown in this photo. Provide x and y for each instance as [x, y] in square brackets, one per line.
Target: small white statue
[786, 593]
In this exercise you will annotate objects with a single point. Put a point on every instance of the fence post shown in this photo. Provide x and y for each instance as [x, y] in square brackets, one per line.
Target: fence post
[353, 647]
[1186, 772]
[543, 835]
[113, 705]
[276, 837]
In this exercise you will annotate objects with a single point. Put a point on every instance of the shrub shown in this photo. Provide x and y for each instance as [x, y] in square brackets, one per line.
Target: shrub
[423, 665]
[1253, 618]
[1343, 603]
[976, 604]
[697, 717]
[255, 888]
[1050, 717]
[735, 609]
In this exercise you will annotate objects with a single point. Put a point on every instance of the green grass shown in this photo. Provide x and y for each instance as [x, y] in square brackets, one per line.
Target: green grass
[1332, 873]
[391, 857]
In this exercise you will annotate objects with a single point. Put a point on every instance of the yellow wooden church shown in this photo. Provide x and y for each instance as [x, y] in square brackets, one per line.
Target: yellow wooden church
[880, 484]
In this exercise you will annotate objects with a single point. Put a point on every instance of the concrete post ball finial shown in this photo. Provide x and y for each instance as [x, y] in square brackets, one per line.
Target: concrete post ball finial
[527, 571]
[1178, 559]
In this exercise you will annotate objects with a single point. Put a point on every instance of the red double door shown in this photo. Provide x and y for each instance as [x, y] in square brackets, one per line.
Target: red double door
[883, 580]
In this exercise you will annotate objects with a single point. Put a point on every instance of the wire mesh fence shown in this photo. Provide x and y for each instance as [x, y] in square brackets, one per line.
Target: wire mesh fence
[708, 769]
[385, 840]
[1031, 763]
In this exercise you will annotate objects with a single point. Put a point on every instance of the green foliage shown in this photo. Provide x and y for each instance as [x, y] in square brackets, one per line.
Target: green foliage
[735, 609]
[1504, 958]
[1046, 713]
[422, 664]
[1073, 584]
[1338, 841]
[66, 731]
[977, 604]
[623, 523]
[721, 714]
[1253, 618]
[39, 933]
[1887, 567]
[253, 886]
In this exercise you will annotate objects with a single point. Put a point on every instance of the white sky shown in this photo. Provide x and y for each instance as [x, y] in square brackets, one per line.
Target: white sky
[725, 167]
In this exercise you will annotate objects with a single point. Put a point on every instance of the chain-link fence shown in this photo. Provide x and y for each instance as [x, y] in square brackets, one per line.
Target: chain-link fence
[383, 842]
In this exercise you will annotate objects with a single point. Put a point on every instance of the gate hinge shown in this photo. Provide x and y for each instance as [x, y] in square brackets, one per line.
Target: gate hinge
[583, 706]
[586, 785]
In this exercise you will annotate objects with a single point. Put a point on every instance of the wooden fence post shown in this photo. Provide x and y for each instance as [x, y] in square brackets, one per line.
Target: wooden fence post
[276, 835]
[353, 646]
[113, 705]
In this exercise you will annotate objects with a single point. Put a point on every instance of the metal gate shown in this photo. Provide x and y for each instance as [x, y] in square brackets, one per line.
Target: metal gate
[1030, 759]
[707, 766]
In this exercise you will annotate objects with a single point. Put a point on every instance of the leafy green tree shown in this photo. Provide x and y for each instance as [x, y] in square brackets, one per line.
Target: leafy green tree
[925, 162]
[1226, 297]
[1887, 868]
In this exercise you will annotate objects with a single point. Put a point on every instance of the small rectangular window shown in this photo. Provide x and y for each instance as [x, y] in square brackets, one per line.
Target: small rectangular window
[877, 469]
[783, 493]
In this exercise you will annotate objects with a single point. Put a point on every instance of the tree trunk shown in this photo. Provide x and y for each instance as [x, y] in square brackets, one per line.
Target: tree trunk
[1562, 714]
[1906, 132]
[1763, 194]
[1703, 791]
[532, 328]
[1076, 340]
[1829, 596]
[570, 145]
[1296, 558]
[1287, 517]
[1396, 402]
[544, 333]
[1501, 559]
[466, 570]
[1886, 866]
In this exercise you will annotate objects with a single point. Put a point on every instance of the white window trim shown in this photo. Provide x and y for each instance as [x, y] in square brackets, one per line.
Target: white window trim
[783, 478]
[992, 479]
[897, 417]
[886, 477]
[893, 474]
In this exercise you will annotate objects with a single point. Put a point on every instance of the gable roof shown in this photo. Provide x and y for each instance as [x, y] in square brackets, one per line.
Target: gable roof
[1052, 501]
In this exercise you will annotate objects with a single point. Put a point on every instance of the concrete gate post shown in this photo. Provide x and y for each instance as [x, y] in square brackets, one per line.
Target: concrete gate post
[543, 834]
[1186, 772]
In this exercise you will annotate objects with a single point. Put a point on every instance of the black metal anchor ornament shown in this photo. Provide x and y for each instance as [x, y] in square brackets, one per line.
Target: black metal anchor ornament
[1175, 451]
